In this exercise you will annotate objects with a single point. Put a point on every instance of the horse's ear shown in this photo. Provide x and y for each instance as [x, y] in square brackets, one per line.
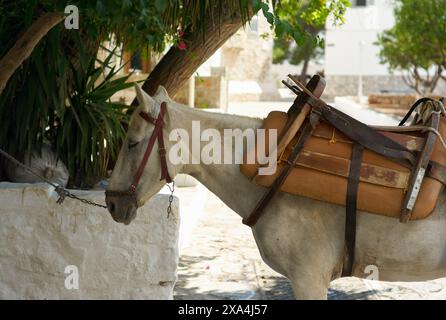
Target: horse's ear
[145, 101]
[162, 93]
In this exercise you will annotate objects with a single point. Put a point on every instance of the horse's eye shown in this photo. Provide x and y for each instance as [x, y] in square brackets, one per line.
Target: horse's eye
[133, 144]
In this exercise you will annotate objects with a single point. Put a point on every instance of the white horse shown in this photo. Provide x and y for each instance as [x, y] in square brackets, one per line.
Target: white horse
[300, 238]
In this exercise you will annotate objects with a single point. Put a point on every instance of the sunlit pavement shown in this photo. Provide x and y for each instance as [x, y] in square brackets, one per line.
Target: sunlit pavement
[220, 259]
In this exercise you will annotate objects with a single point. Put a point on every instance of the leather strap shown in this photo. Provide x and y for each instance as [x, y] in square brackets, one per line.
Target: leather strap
[436, 171]
[298, 112]
[308, 128]
[366, 136]
[316, 85]
[359, 132]
[351, 204]
[412, 109]
[157, 134]
[419, 170]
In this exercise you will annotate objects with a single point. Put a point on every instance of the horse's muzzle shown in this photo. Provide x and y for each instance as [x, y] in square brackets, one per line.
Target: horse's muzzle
[122, 209]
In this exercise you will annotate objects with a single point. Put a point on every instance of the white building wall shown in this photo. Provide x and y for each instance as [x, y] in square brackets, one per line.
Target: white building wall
[350, 48]
[214, 61]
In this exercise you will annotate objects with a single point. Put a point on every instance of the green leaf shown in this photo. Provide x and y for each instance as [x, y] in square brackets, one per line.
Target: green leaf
[161, 5]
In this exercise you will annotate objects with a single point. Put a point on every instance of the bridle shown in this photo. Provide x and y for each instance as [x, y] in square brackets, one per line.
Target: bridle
[157, 134]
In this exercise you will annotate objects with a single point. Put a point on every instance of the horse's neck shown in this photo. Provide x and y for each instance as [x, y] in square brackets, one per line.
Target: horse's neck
[224, 180]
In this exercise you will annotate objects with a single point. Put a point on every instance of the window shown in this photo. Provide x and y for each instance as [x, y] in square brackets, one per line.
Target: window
[360, 3]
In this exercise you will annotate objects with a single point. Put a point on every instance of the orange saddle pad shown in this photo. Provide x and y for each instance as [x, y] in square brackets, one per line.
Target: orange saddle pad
[323, 166]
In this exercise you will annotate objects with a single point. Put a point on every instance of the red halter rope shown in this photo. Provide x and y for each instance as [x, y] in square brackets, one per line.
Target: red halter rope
[157, 134]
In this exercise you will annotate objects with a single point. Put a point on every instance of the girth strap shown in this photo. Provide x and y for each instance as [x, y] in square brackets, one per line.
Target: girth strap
[351, 205]
[316, 85]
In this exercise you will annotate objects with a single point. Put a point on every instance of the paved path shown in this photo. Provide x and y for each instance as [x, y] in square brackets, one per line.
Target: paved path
[221, 260]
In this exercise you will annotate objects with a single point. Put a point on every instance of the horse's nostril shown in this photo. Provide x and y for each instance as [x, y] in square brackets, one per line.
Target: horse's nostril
[111, 207]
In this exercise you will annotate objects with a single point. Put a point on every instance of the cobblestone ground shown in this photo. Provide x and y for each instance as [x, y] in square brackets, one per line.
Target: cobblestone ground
[221, 261]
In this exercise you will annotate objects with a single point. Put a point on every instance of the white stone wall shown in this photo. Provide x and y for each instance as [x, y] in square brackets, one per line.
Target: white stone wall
[39, 238]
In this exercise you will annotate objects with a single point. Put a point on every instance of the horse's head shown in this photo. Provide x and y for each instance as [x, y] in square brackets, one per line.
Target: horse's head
[133, 181]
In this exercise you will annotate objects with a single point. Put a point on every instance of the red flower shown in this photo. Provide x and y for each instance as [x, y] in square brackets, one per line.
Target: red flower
[182, 45]
[180, 33]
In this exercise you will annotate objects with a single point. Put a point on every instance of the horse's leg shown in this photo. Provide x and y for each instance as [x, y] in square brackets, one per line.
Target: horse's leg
[307, 287]
[307, 249]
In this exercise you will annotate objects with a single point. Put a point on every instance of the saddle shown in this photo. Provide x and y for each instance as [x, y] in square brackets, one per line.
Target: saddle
[326, 155]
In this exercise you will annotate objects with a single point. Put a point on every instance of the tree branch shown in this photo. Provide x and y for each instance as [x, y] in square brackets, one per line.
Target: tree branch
[408, 82]
[435, 78]
[25, 45]
[177, 66]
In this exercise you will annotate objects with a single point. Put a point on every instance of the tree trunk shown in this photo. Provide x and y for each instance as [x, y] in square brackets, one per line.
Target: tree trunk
[25, 45]
[177, 66]
[304, 71]
[307, 52]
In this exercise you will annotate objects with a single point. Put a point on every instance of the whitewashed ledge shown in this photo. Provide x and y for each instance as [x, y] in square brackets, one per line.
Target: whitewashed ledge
[39, 239]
